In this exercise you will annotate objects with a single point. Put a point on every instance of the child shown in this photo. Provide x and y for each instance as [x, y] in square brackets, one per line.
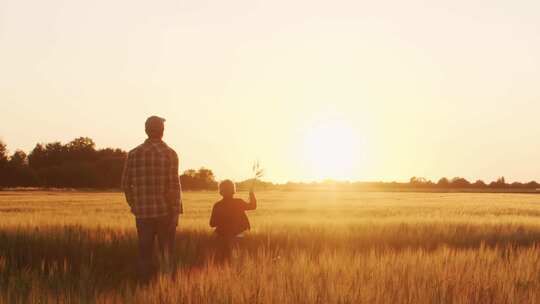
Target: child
[229, 217]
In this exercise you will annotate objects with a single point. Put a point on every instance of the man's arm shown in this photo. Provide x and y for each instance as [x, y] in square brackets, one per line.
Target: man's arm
[175, 192]
[126, 179]
[213, 218]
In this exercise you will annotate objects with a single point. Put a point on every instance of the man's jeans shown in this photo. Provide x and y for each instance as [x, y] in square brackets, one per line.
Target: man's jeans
[148, 229]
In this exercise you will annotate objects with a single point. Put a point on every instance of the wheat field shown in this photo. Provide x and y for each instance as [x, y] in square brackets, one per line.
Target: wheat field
[304, 247]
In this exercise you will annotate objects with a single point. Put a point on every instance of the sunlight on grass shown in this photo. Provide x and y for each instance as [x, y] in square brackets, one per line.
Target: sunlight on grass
[305, 247]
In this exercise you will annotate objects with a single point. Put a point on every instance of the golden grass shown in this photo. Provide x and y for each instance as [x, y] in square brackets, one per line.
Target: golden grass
[305, 247]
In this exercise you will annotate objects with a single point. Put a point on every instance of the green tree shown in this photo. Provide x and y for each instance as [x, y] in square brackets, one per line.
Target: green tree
[419, 181]
[3, 164]
[202, 179]
[20, 173]
[81, 149]
[500, 183]
[18, 159]
[479, 184]
[532, 185]
[459, 182]
[3, 152]
[443, 182]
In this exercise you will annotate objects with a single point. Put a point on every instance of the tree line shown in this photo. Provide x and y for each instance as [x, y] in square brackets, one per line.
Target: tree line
[78, 164]
[456, 184]
[462, 183]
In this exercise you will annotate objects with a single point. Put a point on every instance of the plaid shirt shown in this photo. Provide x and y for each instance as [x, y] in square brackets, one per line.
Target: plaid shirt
[150, 180]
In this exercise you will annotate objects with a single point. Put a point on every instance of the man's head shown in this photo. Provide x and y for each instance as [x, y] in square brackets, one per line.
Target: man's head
[154, 127]
[227, 188]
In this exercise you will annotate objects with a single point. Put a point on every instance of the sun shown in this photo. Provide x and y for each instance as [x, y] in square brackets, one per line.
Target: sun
[333, 150]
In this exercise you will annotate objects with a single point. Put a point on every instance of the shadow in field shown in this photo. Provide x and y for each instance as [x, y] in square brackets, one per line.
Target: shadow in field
[80, 258]
[101, 260]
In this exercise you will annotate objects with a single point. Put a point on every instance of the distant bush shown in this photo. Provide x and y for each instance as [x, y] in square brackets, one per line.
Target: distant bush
[202, 179]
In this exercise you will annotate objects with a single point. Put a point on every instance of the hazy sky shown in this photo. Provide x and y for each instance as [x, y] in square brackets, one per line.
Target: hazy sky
[363, 90]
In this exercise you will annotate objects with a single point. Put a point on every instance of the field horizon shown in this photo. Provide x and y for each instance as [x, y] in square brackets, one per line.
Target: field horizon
[243, 189]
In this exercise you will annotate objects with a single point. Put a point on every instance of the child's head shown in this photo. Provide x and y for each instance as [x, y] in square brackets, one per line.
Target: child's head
[227, 188]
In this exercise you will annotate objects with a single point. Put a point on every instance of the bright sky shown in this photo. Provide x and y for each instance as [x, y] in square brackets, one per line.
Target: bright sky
[361, 90]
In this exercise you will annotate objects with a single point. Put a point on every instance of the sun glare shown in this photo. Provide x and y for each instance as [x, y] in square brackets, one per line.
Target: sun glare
[333, 150]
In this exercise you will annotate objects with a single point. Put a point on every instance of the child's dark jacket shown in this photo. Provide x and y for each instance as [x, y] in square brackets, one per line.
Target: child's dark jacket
[229, 217]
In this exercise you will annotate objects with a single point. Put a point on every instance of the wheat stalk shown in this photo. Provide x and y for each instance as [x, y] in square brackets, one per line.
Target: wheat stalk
[258, 172]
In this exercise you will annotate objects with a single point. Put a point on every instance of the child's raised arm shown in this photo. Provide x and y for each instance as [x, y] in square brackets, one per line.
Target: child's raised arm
[252, 205]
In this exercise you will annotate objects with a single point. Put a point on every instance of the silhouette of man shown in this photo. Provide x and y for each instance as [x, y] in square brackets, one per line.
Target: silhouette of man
[152, 188]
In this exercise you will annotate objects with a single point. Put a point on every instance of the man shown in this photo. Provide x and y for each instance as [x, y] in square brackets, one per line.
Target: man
[152, 187]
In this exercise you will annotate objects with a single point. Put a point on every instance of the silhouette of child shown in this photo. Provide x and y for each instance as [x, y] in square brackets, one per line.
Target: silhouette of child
[229, 218]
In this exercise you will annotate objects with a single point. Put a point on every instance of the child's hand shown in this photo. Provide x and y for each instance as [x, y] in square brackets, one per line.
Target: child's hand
[252, 205]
